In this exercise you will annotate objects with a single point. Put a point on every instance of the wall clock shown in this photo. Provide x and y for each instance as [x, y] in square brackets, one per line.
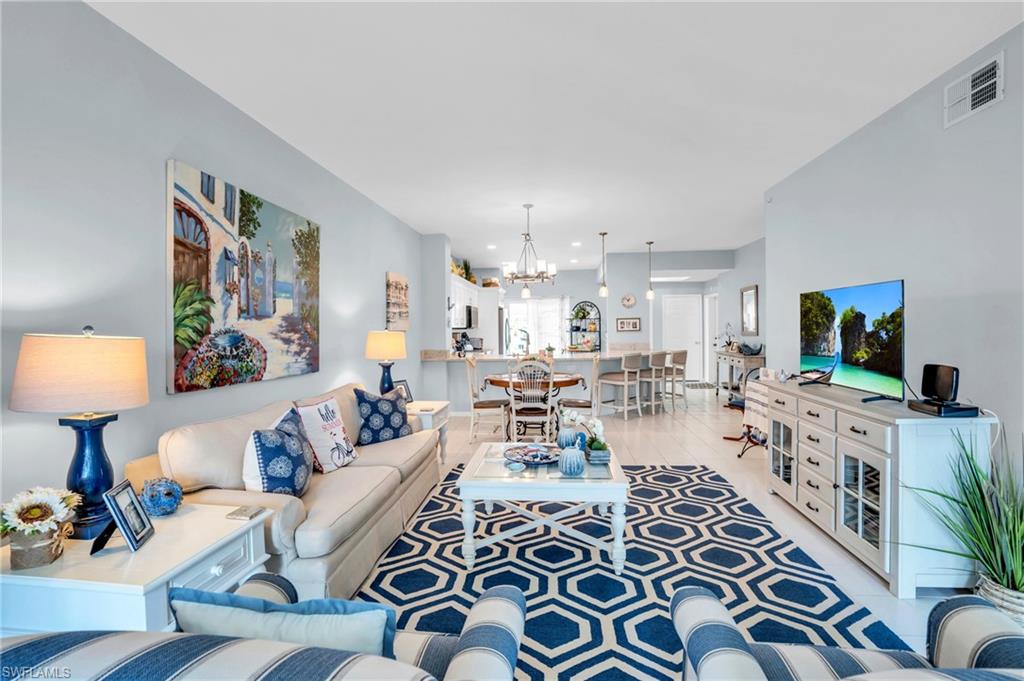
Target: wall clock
[628, 300]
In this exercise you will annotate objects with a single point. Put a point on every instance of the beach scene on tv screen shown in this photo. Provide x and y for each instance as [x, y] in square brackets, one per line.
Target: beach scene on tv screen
[859, 331]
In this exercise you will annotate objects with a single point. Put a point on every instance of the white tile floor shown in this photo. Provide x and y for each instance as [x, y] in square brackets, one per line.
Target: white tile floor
[695, 437]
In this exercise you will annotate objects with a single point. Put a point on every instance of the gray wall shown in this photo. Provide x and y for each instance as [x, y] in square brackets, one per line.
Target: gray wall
[749, 269]
[90, 117]
[903, 198]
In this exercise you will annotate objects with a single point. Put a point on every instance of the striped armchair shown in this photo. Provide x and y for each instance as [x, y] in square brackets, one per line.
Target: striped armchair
[487, 648]
[966, 634]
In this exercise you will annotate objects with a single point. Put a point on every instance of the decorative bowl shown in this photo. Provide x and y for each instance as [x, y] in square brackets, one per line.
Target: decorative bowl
[532, 455]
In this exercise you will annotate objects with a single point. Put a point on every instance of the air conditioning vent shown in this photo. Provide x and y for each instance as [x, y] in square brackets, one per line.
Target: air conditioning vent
[978, 90]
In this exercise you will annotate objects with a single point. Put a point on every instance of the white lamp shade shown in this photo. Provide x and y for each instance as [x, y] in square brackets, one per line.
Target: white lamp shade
[552, 269]
[385, 346]
[64, 374]
[650, 294]
[525, 293]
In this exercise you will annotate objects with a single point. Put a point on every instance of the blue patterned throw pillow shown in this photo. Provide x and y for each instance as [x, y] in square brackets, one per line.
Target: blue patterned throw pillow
[384, 417]
[279, 459]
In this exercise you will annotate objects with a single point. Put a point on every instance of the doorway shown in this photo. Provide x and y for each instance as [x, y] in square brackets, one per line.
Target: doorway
[682, 328]
[710, 332]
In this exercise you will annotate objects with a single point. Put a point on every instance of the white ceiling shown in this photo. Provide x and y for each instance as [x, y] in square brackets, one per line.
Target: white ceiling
[654, 121]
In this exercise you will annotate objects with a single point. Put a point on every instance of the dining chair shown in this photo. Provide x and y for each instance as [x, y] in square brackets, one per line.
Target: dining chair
[628, 375]
[482, 408]
[578, 403]
[654, 378]
[533, 384]
[677, 370]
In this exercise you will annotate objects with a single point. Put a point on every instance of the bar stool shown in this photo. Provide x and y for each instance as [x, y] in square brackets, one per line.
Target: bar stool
[480, 408]
[677, 370]
[655, 380]
[578, 403]
[629, 375]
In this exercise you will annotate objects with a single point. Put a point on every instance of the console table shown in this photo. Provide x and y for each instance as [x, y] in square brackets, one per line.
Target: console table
[848, 466]
[735, 360]
[197, 547]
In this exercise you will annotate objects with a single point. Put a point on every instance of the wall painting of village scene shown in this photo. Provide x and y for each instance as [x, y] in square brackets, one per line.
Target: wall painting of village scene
[244, 285]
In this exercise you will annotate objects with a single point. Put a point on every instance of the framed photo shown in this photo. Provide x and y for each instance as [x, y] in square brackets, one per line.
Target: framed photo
[129, 515]
[748, 310]
[402, 386]
[627, 323]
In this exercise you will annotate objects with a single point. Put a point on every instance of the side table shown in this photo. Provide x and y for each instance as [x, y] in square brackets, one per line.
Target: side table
[197, 547]
[433, 414]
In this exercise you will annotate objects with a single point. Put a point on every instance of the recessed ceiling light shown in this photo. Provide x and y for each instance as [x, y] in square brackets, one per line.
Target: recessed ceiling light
[577, 244]
[573, 260]
[491, 247]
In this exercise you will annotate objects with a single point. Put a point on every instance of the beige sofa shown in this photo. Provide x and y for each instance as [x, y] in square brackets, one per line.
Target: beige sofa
[327, 542]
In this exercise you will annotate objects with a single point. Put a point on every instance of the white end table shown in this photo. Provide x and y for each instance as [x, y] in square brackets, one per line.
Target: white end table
[433, 414]
[487, 479]
[197, 547]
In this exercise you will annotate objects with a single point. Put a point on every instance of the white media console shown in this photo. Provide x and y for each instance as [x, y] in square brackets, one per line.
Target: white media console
[848, 467]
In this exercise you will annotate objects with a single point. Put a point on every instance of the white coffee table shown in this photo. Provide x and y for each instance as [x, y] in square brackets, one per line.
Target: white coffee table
[487, 479]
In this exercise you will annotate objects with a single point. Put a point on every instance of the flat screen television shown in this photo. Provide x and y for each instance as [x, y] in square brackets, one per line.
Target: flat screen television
[856, 335]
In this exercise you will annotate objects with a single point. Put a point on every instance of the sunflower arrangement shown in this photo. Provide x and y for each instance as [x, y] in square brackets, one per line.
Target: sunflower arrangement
[39, 522]
[38, 510]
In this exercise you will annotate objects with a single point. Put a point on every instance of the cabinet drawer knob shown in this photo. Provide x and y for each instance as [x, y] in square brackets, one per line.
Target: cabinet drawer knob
[782, 402]
[217, 571]
[813, 462]
[813, 485]
[813, 508]
[813, 439]
[813, 414]
[858, 431]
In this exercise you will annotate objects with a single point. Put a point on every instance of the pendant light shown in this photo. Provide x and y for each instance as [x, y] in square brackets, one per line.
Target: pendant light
[650, 272]
[602, 292]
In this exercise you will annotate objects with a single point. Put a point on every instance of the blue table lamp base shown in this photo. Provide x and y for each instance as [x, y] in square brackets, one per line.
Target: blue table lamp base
[386, 384]
[90, 473]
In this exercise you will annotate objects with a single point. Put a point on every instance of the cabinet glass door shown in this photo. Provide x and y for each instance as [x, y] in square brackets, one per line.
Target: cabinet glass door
[782, 459]
[862, 503]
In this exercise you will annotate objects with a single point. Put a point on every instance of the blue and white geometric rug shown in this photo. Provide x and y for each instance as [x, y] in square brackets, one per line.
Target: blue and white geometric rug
[684, 525]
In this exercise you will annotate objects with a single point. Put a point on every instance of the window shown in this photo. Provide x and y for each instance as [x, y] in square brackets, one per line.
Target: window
[542, 322]
[207, 185]
[229, 202]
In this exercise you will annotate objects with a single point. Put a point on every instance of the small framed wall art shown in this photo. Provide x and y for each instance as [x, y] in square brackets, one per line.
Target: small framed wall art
[627, 324]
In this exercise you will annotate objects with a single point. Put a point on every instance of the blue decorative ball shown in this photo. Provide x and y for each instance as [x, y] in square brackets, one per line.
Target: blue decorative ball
[161, 496]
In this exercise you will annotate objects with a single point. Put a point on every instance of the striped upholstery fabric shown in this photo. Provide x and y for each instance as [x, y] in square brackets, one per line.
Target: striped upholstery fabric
[782, 662]
[430, 652]
[946, 675]
[968, 631]
[161, 656]
[488, 646]
[968, 638]
[715, 649]
[269, 587]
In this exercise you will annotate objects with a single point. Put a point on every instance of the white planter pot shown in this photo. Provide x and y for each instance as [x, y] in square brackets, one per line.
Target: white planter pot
[1009, 601]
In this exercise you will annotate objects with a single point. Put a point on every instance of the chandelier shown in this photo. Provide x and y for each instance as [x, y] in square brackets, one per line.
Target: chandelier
[529, 269]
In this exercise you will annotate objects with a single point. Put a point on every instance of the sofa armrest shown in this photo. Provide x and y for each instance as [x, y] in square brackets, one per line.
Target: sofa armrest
[279, 528]
[968, 631]
[713, 647]
[488, 647]
[416, 423]
[430, 652]
[138, 471]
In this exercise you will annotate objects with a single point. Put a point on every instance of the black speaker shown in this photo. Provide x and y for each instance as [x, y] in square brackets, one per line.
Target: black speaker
[940, 382]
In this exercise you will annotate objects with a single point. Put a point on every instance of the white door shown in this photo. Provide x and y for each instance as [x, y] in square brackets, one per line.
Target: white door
[710, 331]
[682, 328]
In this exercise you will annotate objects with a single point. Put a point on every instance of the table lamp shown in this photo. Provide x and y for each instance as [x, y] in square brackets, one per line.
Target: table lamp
[386, 346]
[94, 375]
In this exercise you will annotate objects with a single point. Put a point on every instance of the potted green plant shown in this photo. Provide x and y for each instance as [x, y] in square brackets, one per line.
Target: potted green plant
[984, 511]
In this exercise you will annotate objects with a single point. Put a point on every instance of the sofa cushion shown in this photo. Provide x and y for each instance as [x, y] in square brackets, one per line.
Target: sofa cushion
[340, 503]
[406, 454]
[210, 454]
[384, 417]
[346, 402]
